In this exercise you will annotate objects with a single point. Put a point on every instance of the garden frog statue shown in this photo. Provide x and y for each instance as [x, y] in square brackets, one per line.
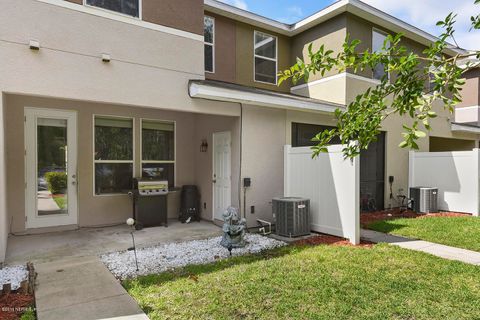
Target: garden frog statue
[234, 229]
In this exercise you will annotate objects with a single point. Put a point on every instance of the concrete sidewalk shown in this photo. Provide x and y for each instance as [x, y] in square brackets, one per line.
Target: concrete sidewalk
[83, 289]
[439, 250]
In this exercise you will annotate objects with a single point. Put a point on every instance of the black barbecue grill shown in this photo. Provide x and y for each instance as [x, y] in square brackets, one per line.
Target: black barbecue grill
[150, 202]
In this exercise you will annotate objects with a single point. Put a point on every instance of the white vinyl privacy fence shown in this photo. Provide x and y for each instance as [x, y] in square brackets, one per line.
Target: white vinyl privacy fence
[333, 186]
[455, 174]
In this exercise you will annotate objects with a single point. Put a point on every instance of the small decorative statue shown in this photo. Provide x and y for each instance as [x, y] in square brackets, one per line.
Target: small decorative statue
[233, 230]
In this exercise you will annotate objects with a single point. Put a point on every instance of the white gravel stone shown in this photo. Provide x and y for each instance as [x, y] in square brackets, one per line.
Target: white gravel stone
[13, 275]
[173, 255]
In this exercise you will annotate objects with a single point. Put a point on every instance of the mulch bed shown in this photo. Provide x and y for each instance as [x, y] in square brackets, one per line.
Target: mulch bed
[330, 240]
[13, 305]
[370, 217]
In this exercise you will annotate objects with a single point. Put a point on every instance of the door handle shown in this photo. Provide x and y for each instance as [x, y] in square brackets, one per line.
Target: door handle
[214, 180]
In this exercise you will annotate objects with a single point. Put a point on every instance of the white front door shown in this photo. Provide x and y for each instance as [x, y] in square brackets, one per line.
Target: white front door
[50, 168]
[222, 184]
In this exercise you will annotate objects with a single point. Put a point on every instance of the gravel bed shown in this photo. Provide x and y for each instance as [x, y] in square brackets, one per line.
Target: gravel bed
[173, 255]
[13, 275]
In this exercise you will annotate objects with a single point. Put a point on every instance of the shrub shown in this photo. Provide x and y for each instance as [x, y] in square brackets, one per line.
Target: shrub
[57, 182]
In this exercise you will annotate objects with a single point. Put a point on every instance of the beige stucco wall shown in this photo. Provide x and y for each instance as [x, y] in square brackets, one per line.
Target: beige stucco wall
[3, 202]
[205, 126]
[330, 89]
[263, 136]
[149, 68]
[105, 210]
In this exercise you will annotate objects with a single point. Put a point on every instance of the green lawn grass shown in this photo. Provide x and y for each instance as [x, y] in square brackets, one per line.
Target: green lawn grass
[461, 232]
[61, 201]
[322, 282]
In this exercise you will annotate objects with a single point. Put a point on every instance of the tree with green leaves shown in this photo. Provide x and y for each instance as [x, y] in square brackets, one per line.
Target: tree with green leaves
[405, 94]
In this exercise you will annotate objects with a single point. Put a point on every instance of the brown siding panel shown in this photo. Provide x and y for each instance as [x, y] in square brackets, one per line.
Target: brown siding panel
[225, 49]
[244, 59]
[185, 15]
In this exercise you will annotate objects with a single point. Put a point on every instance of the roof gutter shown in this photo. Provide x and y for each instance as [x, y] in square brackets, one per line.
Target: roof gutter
[204, 91]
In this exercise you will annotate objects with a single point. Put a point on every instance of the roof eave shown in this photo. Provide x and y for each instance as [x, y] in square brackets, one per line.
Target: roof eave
[209, 92]
[461, 127]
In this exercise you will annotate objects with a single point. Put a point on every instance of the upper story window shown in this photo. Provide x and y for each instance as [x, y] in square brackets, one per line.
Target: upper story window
[127, 7]
[378, 40]
[209, 36]
[265, 55]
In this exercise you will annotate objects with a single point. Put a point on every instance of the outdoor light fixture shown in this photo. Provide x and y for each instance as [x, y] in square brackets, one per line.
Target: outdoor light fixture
[106, 57]
[131, 222]
[34, 45]
[204, 146]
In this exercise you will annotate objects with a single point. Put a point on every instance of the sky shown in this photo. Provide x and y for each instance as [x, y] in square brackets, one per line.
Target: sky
[421, 13]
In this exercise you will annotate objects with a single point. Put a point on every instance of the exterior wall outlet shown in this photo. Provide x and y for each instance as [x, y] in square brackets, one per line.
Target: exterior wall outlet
[252, 209]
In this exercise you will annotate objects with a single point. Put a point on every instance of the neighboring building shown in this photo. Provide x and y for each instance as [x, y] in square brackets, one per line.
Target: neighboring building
[114, 90]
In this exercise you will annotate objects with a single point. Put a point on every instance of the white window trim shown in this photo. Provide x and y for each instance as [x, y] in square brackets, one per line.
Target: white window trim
[265, 58]
[386, 34]
[174, 161]
[117, 13]
[212, 44]
[112, 161]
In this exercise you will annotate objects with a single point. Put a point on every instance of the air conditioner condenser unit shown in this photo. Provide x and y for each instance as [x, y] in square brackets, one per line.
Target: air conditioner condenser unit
[292, 216]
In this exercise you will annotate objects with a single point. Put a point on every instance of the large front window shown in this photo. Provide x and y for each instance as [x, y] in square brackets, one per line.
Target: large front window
[379, 45]
[158, 150]
[265, 55]
[209, 43]
[127, 7]
[113, 155]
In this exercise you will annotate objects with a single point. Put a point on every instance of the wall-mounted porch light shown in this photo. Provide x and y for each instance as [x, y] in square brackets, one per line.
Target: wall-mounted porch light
[204, 146]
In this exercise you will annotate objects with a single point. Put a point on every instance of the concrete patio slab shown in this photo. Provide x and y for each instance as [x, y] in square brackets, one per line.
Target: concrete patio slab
[439, 250]
[95, 241]
[73, 283]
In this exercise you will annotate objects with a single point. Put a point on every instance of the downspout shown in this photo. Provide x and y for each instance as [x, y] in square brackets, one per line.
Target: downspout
[241, 164]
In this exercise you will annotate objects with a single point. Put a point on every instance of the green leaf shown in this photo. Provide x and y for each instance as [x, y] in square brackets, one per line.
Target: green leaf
[420, 134]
